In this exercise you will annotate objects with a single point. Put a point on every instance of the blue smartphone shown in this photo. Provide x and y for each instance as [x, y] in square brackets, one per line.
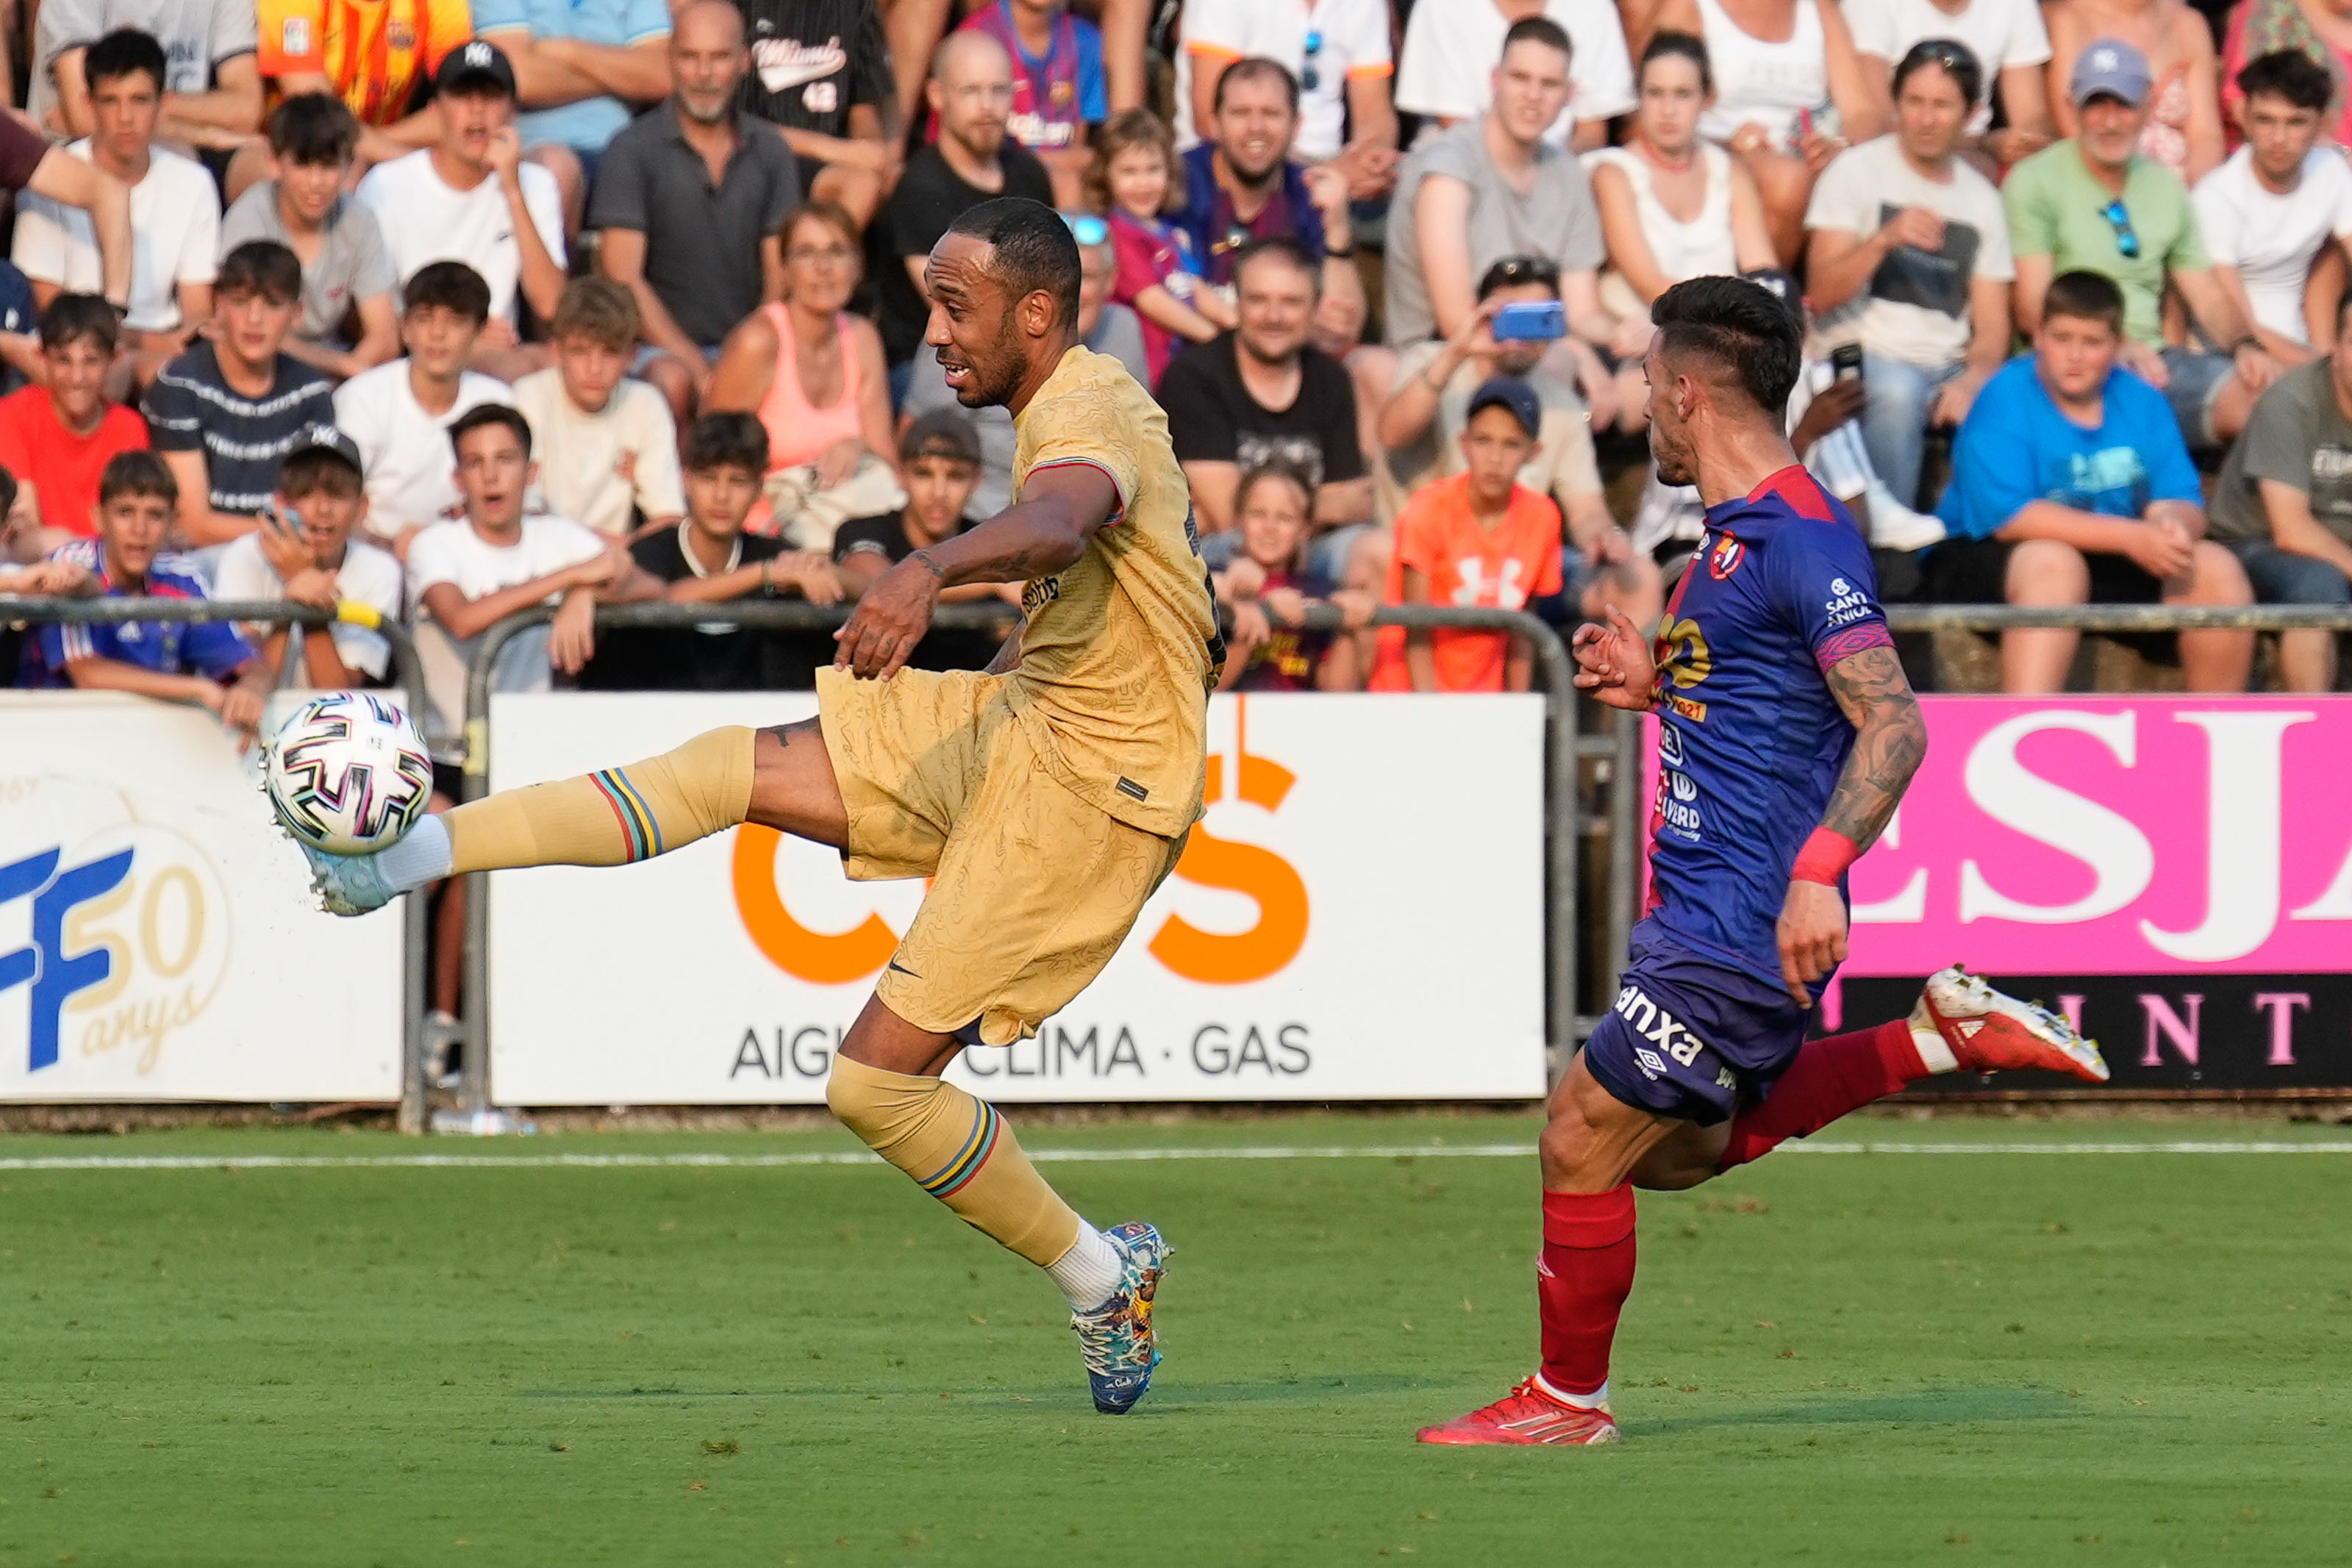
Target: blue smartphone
[1532, 320]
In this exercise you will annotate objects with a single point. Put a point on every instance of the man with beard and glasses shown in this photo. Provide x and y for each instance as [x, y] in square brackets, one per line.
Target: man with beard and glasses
[688, 198]
[1084, 742]
[1241, 183]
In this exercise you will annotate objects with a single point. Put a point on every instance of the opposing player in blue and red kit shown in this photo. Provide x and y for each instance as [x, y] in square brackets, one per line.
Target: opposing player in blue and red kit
[1786, 737]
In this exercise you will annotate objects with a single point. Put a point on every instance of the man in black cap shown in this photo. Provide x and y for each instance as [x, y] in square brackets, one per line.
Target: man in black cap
[471, 197]
[940, 461]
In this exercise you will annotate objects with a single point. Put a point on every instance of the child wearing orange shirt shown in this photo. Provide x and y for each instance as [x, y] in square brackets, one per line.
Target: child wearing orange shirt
[1480, 538]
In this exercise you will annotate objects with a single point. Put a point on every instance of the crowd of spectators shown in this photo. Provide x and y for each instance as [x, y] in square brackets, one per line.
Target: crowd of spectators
[457, 310]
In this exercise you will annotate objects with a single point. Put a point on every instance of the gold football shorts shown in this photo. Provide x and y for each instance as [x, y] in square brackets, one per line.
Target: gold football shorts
[1032, 888]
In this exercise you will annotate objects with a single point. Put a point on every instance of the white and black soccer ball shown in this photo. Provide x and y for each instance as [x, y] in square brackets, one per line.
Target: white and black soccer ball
[349, 773]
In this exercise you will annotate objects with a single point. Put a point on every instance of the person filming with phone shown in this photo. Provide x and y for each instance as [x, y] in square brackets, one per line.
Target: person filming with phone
[1518, 317]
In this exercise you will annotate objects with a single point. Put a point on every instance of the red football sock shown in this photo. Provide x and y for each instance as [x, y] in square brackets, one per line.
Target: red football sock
[1582, 1283]
[1828, 1078]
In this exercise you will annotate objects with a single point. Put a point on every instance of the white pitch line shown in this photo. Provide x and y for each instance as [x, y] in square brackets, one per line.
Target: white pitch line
[1252, 1151]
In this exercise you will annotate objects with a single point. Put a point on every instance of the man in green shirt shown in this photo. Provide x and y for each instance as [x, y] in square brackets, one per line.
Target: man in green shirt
[2093, 203]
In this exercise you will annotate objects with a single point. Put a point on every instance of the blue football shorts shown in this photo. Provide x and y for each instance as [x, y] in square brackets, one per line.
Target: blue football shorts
[1690, 1037]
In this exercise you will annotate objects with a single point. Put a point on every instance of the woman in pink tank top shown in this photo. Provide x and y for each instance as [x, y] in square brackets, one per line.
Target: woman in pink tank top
[811, 371]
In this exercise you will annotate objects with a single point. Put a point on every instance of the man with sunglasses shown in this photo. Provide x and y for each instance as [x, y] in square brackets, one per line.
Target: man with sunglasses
[2093, 204]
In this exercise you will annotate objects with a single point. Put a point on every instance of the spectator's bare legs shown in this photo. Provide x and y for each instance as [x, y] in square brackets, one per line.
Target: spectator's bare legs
[2214, 661]
[1785, 184]
[2232, 404]
[2307, 661]
[1126, 37]
[913, 29]
[2041, 571]
[675, 383]
[858, 192]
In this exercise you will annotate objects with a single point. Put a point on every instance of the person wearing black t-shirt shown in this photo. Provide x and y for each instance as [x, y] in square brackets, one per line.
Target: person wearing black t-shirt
[821, 73]
[708, 559]
[939, 458]
[971, 95]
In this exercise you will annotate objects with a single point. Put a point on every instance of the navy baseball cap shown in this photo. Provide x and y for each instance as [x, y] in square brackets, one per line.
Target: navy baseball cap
[476, 60]
[2113, 68]
[1510, 392]
[327, 438]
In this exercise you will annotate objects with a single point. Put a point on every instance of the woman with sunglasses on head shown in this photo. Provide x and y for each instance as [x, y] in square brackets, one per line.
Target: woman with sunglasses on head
[1671, 206]
[2010, 45]
[1908, 257]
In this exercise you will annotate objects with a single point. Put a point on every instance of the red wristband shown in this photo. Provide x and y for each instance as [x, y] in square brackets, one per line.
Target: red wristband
[1824, 858]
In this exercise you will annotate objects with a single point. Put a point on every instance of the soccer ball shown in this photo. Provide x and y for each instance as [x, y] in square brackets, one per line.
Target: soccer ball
[349, 774]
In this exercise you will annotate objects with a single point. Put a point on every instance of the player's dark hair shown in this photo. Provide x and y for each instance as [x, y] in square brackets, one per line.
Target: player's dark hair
[1538, 30]
[727, 440]
[1274, 471]
[1955, 60]
[1283, 248]
[260, 266]
[1749, 332]
[448, 286]
[1254, 67]
[1035, 252]
[71, 318]
[2085, 296]
[314, 129]
[2289, 74]
[1512, 271]
[1671, 44]
[123, 52]
[313, 469]
[482, 415]
[139, 473]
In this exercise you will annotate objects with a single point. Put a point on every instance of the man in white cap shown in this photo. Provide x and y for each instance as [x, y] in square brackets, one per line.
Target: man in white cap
[2094, 203]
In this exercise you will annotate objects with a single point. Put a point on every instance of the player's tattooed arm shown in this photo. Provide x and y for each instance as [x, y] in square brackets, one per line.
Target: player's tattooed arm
[1890, 739]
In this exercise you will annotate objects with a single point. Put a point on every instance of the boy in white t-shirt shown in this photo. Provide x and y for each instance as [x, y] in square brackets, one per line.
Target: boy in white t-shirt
[471, 197]
[399, 415]
[308, 551]
[1445, 70]
[2268, 211]
[607, 446]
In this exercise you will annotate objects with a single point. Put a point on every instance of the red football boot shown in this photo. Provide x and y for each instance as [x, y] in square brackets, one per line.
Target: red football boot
[1526, 1415]
[1989, 1032]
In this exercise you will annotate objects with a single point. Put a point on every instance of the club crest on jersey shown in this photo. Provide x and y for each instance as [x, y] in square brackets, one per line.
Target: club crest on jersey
[1725, 558]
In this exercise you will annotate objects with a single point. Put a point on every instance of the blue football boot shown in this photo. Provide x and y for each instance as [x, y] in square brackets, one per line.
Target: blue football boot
[1116, 1339]
[348, 884]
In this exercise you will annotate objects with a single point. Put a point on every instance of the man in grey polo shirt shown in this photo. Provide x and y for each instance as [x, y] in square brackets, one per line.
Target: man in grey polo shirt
[689, 197]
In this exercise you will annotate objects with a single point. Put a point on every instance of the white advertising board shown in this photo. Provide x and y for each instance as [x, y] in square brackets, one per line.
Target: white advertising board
[1359, 917]
[158, 938]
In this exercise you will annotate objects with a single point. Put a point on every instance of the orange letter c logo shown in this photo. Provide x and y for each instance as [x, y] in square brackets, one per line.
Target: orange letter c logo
[821, 958]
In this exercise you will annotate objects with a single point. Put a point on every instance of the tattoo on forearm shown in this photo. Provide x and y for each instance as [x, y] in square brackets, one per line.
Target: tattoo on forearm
[1890, 739]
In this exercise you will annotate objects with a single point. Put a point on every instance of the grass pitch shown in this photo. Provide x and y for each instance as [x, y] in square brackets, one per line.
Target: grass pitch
[2006, 1357]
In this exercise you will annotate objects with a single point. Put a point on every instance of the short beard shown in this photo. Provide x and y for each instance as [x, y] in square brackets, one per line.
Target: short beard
[995, 379]
[719, 116]
[1674, 467]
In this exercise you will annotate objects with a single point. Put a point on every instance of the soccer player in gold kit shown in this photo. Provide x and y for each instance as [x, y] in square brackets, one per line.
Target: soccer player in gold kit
[1046, 796]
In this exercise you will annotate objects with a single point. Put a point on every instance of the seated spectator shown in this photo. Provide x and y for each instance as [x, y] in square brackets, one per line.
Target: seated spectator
[1269, 585]
[1493, 187]
[226, 414]
[1672, 206]
[2314, 27]
[207, 662]
[970, 90]
[2270, 213]
[581, 71]
[347, 272]
[1103, 327]
[706, 559]
[1909, 259]
[1786, 74]
[467, 574]
[377, 62]
[1260, 393]
[54, 579]
[60, 179]
[1241, 183]
[2094, 203]
[212, 85]
[607, 449]
[812, 372]
[2283, 503]
[1446, 70]
[2069, 485]
[2182, 129]
[399, 415]
[688, 200]
[175, 212]
[309, 548]
[1059, 93]
[1339, 53]
[470, 197]
[1136, 179]
[2007, 39]
[57, 438]
[914, 28]
[1480, 539]
[821, 76]
[1425, 418]
[940, 456]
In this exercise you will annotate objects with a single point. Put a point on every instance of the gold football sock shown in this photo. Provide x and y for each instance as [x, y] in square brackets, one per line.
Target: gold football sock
[612, 817]
[960, 1151]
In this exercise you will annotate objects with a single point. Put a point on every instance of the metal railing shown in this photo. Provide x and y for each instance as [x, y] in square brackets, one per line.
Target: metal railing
[2120, 618]
[1565, 824]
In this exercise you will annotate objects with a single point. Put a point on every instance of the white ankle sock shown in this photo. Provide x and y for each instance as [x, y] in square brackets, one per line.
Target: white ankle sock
[1935, 1050]
[1089, 1271]
[1592, 1401]
[421, 856]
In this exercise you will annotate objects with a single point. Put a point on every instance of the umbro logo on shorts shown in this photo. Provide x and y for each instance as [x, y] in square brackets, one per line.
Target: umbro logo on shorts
[1658, 1027]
